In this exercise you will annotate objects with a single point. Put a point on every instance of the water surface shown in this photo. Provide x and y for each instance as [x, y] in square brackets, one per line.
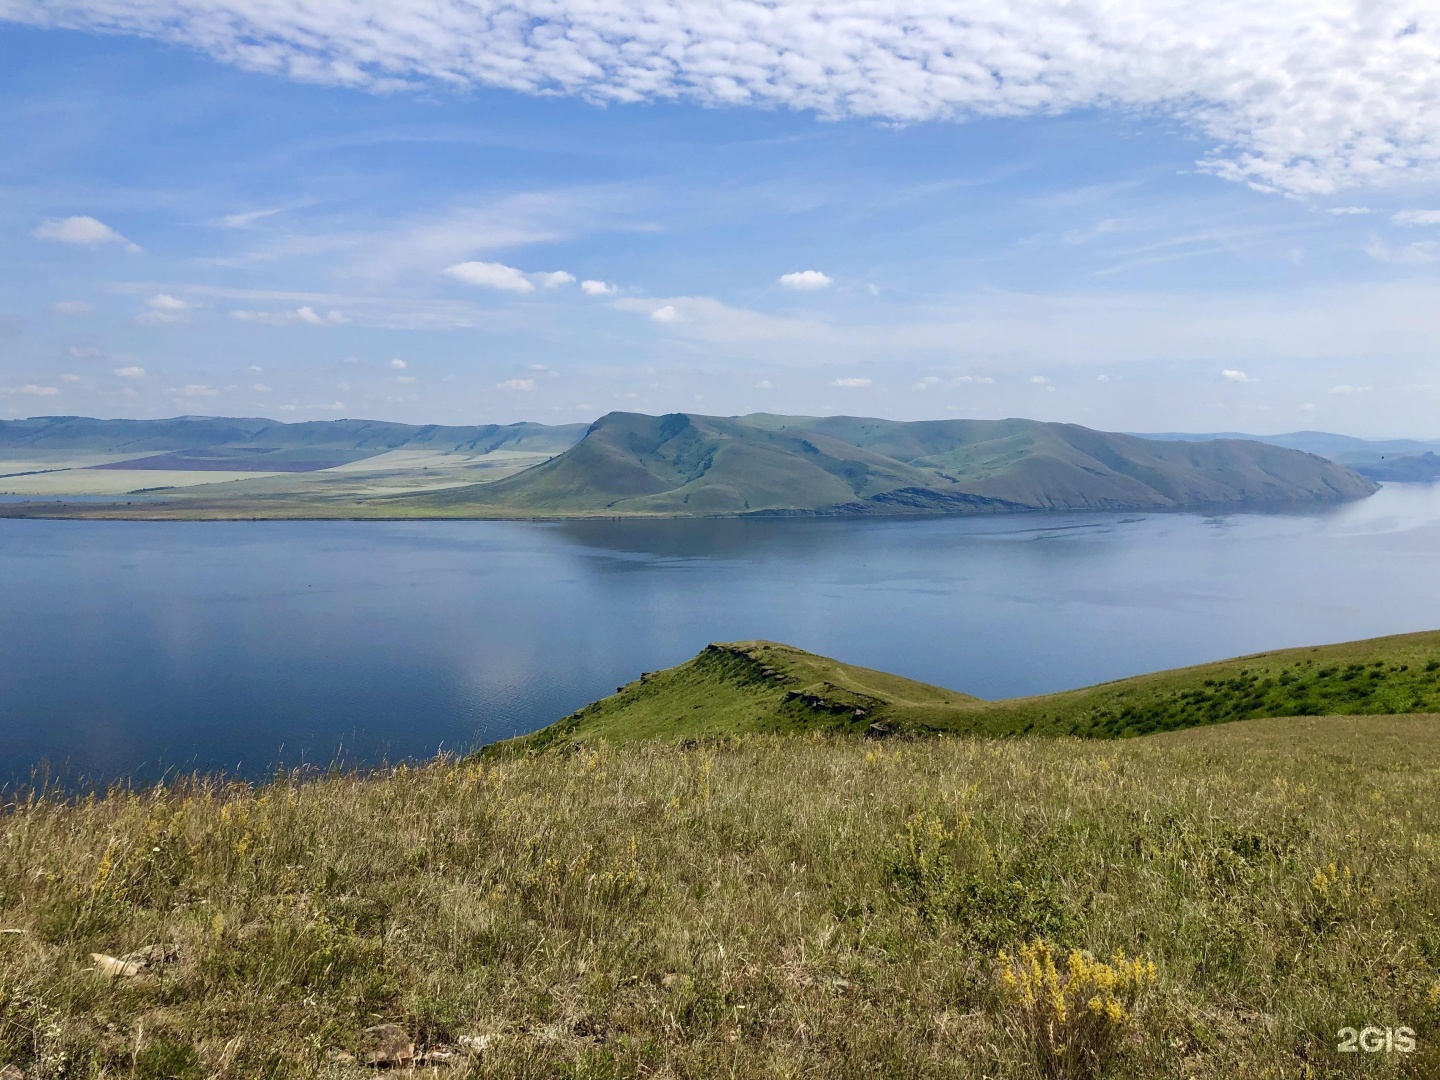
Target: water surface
[130, 647]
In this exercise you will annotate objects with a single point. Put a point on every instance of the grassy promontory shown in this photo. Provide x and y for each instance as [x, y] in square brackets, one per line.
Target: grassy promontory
[758, 903]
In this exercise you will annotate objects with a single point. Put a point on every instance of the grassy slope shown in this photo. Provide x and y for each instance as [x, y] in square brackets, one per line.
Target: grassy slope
[682, 464]
[759, 907]
[761, 686]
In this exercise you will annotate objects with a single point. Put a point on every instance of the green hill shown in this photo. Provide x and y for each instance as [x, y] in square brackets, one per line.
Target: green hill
[761, 686]
[629, 463]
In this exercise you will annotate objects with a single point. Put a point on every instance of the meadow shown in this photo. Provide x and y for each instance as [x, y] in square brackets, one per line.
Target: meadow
[1217, 902]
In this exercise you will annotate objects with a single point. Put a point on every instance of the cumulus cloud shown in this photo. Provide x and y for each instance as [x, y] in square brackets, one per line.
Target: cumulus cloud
[131, 372]
[491, 276]
[555, 278]
[162, 308]
[851, 384]
[1343, 211]
[1232, 375]
[307, 315]
[69, 378]
[669, 313]
[70, 307]
[1291, 97]
[806, 280]
[81, 230]
[1347, 389]
[1417, 217]
[38, 391]
[85, 352]
[517, 384]
[260, 388]
[398, 364]
[195, 390]
[591, 287]
[764, 384]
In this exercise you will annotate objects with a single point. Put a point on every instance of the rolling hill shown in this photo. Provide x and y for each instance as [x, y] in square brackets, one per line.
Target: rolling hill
[630, 463]
[761, 686]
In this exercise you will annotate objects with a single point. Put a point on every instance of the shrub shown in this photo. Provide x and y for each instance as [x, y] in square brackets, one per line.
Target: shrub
[1071, 1020]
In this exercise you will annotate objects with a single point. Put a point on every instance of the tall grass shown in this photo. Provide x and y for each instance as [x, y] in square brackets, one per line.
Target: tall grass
[766, 906]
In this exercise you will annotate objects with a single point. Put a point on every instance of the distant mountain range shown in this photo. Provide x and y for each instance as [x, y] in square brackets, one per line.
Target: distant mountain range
[686, 464]
[630, 463]
[1341, 448]
[349, 438]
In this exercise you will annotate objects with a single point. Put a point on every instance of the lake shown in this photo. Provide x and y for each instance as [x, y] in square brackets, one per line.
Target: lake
[130, 648]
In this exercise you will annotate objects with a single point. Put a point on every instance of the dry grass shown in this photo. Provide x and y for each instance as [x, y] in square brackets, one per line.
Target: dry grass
[767, 906]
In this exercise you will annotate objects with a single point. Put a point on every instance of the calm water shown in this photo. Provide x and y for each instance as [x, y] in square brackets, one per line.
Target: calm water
[127, 648]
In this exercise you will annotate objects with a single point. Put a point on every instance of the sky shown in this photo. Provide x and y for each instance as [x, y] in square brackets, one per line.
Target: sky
[1153, 216]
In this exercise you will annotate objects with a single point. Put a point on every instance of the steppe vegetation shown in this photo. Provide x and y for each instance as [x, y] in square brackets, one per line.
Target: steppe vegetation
[757, 905]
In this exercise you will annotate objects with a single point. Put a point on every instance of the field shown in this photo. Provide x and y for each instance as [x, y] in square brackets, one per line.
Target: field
[817, 906]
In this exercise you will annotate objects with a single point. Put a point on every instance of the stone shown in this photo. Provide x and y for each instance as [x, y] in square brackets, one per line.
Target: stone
[166, 952]
[390, 1047]
[114, 967]
[11, 1072]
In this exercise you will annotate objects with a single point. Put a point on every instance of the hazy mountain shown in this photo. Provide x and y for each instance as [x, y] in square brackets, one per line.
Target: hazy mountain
[1342, 448]
[214, 432]
[688, 464]
[1411, 468]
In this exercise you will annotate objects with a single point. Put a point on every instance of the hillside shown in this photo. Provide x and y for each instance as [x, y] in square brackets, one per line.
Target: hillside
[759, 906]
[761, 686]
[1407, 468]
[1345, 449]
[629, 463]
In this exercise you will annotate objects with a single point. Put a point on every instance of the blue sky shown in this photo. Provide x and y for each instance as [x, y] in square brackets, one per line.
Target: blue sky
[186, 228]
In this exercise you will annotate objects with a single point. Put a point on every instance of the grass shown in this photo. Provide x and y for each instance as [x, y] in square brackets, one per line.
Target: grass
[761, 686]
[755, 906]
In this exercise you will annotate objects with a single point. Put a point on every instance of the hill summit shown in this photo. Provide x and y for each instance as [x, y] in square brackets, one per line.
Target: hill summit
[681, 463]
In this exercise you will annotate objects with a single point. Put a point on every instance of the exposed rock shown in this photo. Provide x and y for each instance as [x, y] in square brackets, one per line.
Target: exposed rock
[114, 967]
[11, 1072]
[879, 730]
[152, 956]
[477, 1044]
[390, 1047]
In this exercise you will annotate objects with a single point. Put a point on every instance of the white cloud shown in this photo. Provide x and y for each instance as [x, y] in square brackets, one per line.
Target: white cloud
[162, 308]
[306, 314]
[398, 364]
[1347, 389]
[1417, 217]
[194, 390]
[70, 307]
[806, 280]
[517, 384]
[591, 287]
[764, 384]
[1102, 378]
[81, 230]
[69, 378]
[555, 278]
[246, 219]
[1295, 97]
[1349, 210]
[1232, 375]
[260, 388]
[1308, 406]
[38, 391]
[851, 384]
[131, 372]
[334, 406]
[84, 352]
[669, 313]
[1413, 254]
[1039, 380]
[926, 383]
[491, 276]
[406, 379]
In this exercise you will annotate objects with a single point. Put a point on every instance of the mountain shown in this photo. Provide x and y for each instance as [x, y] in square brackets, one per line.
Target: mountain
[1345, 449]
[1411, 468]
[630, 463]
[356, 438]
[760, 686]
